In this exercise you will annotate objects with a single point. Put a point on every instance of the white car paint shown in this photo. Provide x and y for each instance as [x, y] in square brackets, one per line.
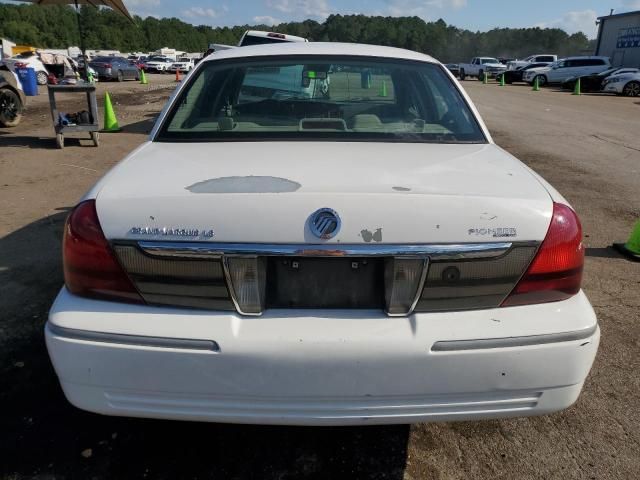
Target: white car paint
[311, 368]
[618, 83]
[365, 191]
[322, 367]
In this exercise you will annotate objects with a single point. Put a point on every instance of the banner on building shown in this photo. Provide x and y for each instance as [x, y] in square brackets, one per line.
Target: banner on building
[628, 38]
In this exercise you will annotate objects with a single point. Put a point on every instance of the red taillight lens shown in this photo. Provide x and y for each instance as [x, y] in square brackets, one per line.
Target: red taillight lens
[556, 271]
[90, 268]
[107, 65]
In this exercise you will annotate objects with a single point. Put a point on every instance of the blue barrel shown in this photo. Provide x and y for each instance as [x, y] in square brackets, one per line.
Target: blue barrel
[28, 80]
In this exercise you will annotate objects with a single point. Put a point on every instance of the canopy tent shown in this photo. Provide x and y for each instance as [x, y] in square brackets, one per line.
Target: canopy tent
[116, 5]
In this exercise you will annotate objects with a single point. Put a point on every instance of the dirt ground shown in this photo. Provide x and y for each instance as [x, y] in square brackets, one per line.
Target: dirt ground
[588, 147]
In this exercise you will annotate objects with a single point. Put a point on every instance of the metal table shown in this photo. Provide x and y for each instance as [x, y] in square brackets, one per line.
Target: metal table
[90, 91]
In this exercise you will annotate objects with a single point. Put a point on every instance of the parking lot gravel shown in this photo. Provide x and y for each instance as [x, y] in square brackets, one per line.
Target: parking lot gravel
[586, 146]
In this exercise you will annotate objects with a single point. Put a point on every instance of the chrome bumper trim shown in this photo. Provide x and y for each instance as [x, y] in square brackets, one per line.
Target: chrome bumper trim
[137, 340]
[435, 252]
[485, 344]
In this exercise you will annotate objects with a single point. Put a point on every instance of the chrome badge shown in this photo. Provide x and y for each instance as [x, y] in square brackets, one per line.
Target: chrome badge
[325, 223]
[171, 232]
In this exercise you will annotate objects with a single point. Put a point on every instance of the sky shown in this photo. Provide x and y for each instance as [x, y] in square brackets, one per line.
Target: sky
[570, 15]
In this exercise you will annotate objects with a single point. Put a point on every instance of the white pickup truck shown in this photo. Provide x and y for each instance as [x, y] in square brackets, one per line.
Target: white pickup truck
[481, 65]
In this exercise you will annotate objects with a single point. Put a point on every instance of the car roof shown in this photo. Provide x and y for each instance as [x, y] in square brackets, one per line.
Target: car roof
[320, 48]
[585, 57]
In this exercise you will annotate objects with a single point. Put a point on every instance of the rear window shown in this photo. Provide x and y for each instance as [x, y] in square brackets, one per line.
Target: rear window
[339, 98]
[257, 40]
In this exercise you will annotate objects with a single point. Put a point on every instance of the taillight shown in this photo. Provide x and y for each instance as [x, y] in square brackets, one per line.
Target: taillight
[107, 65]
[90, 267]
[556, 271]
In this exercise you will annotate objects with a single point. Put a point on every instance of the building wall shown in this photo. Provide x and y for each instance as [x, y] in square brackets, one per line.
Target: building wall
[619, 39]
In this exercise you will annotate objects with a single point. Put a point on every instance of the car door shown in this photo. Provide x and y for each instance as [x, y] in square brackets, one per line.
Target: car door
[132, 71]
[559, 72]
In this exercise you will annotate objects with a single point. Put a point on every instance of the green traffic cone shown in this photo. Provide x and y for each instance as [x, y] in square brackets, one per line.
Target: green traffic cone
[485, 78]
[631, 249]
[536, 85]
[383, 89]
[143, 78]
[577, 87]
[502, 84]
[110, 120]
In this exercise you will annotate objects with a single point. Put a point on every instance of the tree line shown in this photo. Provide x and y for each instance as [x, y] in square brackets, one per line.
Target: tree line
[56, 27]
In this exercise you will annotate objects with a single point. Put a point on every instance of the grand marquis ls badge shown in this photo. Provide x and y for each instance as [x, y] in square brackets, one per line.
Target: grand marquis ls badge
[172, 232]
[325, 223]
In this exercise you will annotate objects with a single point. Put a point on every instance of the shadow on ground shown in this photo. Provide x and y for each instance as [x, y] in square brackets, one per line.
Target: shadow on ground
[44, 437]
[602, 252]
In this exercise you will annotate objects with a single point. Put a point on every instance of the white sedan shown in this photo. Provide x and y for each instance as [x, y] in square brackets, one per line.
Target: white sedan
[362, 255]
[627, 84]
[28, 60]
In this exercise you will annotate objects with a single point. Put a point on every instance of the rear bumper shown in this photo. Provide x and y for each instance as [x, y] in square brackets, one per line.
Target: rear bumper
[320, 368]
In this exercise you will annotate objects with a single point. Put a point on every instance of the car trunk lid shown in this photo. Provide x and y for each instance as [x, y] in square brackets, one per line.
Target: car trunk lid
[264, 192]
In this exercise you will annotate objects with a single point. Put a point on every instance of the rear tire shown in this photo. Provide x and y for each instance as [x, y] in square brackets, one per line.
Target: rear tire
[10, 108]
[481, 75]
[42, 78]
[120, 76]
[462, 75]
[631, 89]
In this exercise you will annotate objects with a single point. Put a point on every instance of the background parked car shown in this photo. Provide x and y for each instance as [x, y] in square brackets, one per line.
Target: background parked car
[627, 84]
[546, 59]
[28, 59]
[114, 68]
[511, 76]
[595, 83]
[158, 64]
[481, 65]
[12, 99]
[184, 64]
[566, 68]
[139, 64]
[454, 68]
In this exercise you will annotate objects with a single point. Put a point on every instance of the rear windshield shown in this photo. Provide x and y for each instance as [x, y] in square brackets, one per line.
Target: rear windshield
[337, 98]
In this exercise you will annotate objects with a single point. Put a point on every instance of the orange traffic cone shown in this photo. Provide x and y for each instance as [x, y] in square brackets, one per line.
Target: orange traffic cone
[178, 79]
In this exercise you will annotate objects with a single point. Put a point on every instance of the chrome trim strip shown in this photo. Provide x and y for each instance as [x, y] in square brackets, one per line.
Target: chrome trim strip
[485, 344]
[461, 251]
[137, 340]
